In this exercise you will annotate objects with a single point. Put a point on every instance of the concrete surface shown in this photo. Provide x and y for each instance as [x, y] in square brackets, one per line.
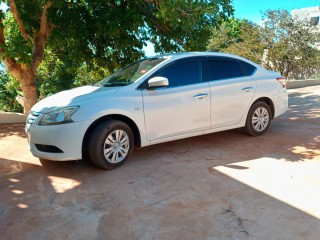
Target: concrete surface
[220, 186]
[11, 117]
[302, 83]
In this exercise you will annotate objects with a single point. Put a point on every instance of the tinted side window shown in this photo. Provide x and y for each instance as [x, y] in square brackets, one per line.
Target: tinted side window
[182, 73]
[248, 68]
[221, 69]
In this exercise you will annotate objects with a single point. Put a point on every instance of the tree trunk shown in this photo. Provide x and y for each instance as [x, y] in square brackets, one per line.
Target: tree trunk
[26, 79]
[30, 97]
[29, 89]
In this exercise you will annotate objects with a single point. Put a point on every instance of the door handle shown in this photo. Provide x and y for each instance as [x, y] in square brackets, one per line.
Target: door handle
[247, 89]
[200, 96]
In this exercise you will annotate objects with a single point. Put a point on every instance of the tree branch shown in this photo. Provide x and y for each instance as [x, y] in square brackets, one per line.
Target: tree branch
[44, 24]
[41, 38]
[16, 15]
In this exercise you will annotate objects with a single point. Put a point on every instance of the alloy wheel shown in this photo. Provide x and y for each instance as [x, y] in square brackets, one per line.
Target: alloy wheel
[116, 146]
[260, 119]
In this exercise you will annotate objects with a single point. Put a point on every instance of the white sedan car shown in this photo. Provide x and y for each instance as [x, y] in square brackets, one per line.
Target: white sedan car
[156, 100]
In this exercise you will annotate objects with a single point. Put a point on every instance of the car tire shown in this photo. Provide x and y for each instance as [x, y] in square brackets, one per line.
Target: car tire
[110, 144]
[258, 119]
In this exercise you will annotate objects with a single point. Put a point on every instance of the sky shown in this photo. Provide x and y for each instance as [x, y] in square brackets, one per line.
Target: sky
[251, 10]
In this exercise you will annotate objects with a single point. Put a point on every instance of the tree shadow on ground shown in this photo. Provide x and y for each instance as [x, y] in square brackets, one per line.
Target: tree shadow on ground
[13, 129]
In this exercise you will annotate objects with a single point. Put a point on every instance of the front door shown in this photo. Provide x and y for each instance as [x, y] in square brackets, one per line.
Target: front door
[182, 107]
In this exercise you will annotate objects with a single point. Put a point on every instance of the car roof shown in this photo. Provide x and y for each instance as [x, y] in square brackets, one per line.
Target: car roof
[175, 56]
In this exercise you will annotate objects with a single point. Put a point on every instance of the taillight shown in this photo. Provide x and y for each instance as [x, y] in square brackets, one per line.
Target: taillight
[282, 80]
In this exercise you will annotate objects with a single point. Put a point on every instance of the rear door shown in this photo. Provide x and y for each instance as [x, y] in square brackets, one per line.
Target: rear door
[232, 89]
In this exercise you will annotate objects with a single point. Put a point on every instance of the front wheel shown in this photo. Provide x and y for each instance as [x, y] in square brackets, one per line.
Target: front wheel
[258, 119]
[110, 144]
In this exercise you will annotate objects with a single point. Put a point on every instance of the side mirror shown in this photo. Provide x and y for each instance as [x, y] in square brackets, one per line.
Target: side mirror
[157, 82]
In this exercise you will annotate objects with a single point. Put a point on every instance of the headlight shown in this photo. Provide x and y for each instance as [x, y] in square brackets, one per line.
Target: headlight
[59, 116]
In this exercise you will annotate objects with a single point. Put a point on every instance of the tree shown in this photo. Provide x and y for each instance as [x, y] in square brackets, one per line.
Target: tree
[238, 36]
[224, 35]
[282, 43]
[100, 33]
[21, 66]
[290, 45]
[250, 44]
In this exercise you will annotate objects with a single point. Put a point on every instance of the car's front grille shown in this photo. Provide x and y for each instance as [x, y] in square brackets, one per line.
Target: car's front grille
[31, 118]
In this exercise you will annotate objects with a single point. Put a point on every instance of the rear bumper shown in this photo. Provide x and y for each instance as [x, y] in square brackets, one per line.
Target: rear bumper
[281, 103]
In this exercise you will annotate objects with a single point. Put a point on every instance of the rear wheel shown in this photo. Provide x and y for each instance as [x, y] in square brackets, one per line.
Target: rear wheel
[258, 119]
[110, 144]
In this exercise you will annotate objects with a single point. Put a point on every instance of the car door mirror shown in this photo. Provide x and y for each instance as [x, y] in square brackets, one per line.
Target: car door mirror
[157, 82]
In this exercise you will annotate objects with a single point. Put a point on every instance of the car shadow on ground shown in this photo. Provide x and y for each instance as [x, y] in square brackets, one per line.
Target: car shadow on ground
[173, 190]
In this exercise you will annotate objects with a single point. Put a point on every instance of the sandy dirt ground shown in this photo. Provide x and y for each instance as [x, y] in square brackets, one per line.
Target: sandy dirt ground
[219, 186]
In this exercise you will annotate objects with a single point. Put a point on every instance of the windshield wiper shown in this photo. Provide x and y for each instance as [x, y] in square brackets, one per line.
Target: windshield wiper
[115, 84]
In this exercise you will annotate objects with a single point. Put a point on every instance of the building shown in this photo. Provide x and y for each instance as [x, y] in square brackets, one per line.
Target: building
[311, 14]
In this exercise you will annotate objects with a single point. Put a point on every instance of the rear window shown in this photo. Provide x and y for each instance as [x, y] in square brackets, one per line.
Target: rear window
[248, 68]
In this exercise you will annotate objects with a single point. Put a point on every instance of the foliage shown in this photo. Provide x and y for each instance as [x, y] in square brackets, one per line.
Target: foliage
[113, 33]
[89, 74]
[249, 45]
[8, 93]
[16, 46]
[75, 38]
[53, 75]
[290, 45]
[225, 35]
[240, 37]
[282, 44]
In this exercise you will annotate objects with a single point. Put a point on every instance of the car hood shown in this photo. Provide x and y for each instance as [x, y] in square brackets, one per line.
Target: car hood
[72, 97]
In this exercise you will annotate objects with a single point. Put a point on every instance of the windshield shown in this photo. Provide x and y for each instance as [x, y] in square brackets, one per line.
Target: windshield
[129, 74]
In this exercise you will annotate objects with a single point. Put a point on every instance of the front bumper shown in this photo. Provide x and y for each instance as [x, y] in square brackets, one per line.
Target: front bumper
[66, 137]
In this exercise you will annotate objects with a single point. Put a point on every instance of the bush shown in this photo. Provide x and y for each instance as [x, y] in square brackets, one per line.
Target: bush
[8, 93]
